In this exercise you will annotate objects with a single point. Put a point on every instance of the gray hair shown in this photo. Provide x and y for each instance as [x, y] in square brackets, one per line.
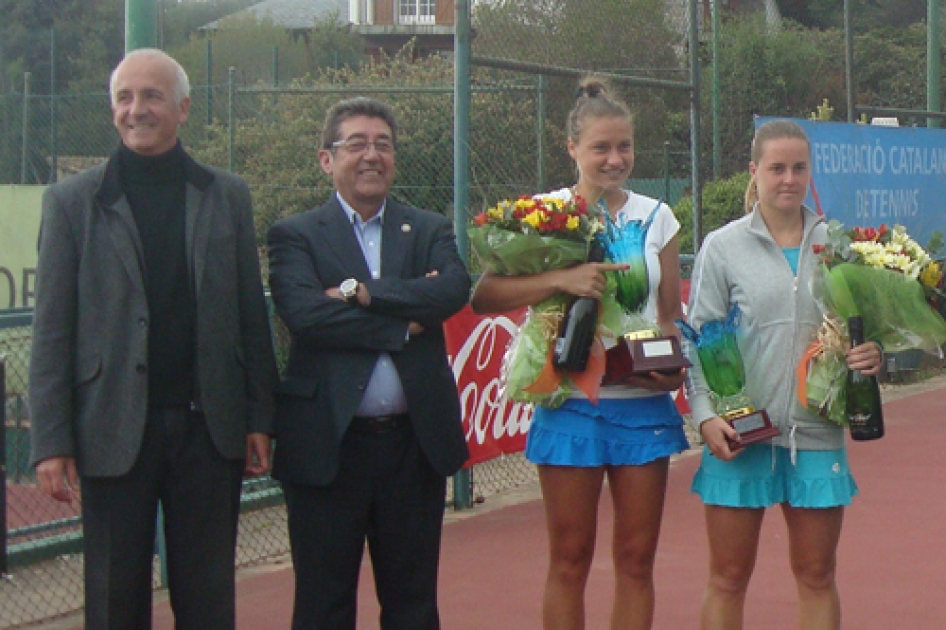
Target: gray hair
[182, 85]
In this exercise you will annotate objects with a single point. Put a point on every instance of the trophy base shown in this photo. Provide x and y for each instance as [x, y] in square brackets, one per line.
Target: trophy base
[641, 356]
[752, 426]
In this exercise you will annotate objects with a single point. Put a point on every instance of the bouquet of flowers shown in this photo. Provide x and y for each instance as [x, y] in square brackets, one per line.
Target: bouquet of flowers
[889, 280]
[531, 235]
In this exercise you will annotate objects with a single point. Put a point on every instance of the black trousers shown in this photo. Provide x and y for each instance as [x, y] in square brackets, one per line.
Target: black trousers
[387, 493]
[199, 492]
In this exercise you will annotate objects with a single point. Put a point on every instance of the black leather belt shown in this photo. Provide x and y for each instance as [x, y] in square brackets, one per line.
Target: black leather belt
[379, 424]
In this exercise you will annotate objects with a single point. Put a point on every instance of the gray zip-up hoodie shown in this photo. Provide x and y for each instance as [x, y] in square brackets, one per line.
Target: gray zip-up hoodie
[741, 263]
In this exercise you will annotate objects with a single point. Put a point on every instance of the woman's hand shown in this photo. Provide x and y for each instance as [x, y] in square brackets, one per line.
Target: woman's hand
[715, 432]
[586, 280]
[865, 358]
[658, 381]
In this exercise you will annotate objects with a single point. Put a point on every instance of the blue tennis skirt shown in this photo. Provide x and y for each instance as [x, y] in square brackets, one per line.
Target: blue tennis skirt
[615, 432]
[764, 475]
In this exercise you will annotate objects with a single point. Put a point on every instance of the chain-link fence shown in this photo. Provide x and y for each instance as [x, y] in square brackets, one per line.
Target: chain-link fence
[43, 576]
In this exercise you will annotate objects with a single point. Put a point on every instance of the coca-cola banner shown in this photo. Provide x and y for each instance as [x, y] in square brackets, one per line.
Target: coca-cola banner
[476, 344]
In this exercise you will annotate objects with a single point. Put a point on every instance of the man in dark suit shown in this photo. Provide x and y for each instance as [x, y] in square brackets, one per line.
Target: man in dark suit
[367, 418]
[152, 366]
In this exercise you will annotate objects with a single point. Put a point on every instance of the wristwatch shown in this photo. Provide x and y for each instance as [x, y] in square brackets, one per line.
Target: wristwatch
[349, 290]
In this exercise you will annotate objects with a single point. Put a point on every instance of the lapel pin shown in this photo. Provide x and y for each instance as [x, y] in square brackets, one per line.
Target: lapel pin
[406, 228]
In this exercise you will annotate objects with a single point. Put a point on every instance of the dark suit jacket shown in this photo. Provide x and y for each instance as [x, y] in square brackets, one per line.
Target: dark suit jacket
[335, 345]
[88, 371]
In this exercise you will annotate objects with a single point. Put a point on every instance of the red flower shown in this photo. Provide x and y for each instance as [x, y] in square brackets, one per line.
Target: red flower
[817, 248]
[481, 219]
[581, 206]
[557, 221]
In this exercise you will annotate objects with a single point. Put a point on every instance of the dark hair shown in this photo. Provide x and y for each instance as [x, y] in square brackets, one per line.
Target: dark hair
[358, 106]
[594, 100]
[771, 130]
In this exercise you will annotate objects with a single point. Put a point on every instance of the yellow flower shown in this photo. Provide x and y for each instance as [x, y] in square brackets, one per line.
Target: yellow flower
[572, 223]
[496, 213]
[931, 275]
[534, 218]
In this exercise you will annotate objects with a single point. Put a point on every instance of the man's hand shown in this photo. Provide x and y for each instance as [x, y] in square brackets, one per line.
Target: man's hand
[58, 478]
[361, 294]
[258, 449]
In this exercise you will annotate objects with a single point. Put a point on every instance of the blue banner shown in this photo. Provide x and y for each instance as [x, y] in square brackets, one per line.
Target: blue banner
[865, 175]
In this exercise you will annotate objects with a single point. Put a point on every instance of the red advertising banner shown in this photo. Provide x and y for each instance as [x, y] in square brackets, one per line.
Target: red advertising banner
[476, 344]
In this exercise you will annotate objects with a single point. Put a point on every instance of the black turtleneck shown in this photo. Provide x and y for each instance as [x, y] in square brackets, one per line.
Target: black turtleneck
[154, 187]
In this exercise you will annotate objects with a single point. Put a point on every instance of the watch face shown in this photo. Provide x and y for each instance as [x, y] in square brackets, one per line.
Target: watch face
[348, 288]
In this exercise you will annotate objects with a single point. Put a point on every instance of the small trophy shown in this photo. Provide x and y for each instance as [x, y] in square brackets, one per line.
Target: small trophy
[726, 377]
[644, 349]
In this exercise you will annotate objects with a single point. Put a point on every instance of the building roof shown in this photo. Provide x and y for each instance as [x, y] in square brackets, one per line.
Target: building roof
[291, 14]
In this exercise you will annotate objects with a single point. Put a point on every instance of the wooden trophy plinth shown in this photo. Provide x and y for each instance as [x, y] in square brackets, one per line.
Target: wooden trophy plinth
[640, 353]
[752, 425]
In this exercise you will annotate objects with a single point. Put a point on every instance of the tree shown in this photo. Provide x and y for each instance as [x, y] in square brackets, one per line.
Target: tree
[629, 37]
[866, 14]
[88, 36]
[181, 19]
[277, 147]
[762, 73]
[248, 44]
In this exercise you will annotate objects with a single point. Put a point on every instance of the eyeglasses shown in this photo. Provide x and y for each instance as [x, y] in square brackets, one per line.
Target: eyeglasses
[360, 145]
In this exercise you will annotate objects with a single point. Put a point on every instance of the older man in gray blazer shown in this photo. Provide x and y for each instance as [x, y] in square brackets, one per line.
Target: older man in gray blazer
[152, 366]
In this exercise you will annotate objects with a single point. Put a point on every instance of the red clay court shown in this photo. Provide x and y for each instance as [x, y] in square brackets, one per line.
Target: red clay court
[892, 556]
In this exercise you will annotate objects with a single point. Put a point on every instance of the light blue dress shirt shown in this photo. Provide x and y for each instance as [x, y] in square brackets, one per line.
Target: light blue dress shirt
[384, 394]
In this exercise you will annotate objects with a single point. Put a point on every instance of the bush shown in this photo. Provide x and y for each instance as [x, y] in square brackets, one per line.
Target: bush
[723, 201]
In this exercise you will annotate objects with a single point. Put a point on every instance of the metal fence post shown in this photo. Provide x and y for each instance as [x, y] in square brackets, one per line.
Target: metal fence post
[933, 47]
[3, 464]
[667, 172]
[540, 111]
[161, 547]
[695, 126]
[53, 138]
[715, 100]
[210, 83]
[25, 145]
[462, 480]
[231, 88]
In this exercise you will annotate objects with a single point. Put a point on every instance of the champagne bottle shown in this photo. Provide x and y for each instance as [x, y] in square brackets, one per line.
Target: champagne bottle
[865, 414]
[573, 344]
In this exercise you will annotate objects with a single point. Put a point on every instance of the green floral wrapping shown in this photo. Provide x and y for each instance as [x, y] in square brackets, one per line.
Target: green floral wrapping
[508, 253]
[528, 352]
[895, 312]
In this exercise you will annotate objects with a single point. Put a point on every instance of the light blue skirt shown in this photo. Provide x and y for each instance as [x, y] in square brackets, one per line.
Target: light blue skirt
[764, 475]
[616, 432]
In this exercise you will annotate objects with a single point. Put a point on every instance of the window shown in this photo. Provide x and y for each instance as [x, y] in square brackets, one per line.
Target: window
[416, 11]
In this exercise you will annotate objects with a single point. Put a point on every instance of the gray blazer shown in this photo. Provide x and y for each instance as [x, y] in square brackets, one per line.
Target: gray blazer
[88, 371]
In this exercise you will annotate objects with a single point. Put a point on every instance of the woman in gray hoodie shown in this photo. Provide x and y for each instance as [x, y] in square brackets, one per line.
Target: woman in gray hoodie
[763, 264]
